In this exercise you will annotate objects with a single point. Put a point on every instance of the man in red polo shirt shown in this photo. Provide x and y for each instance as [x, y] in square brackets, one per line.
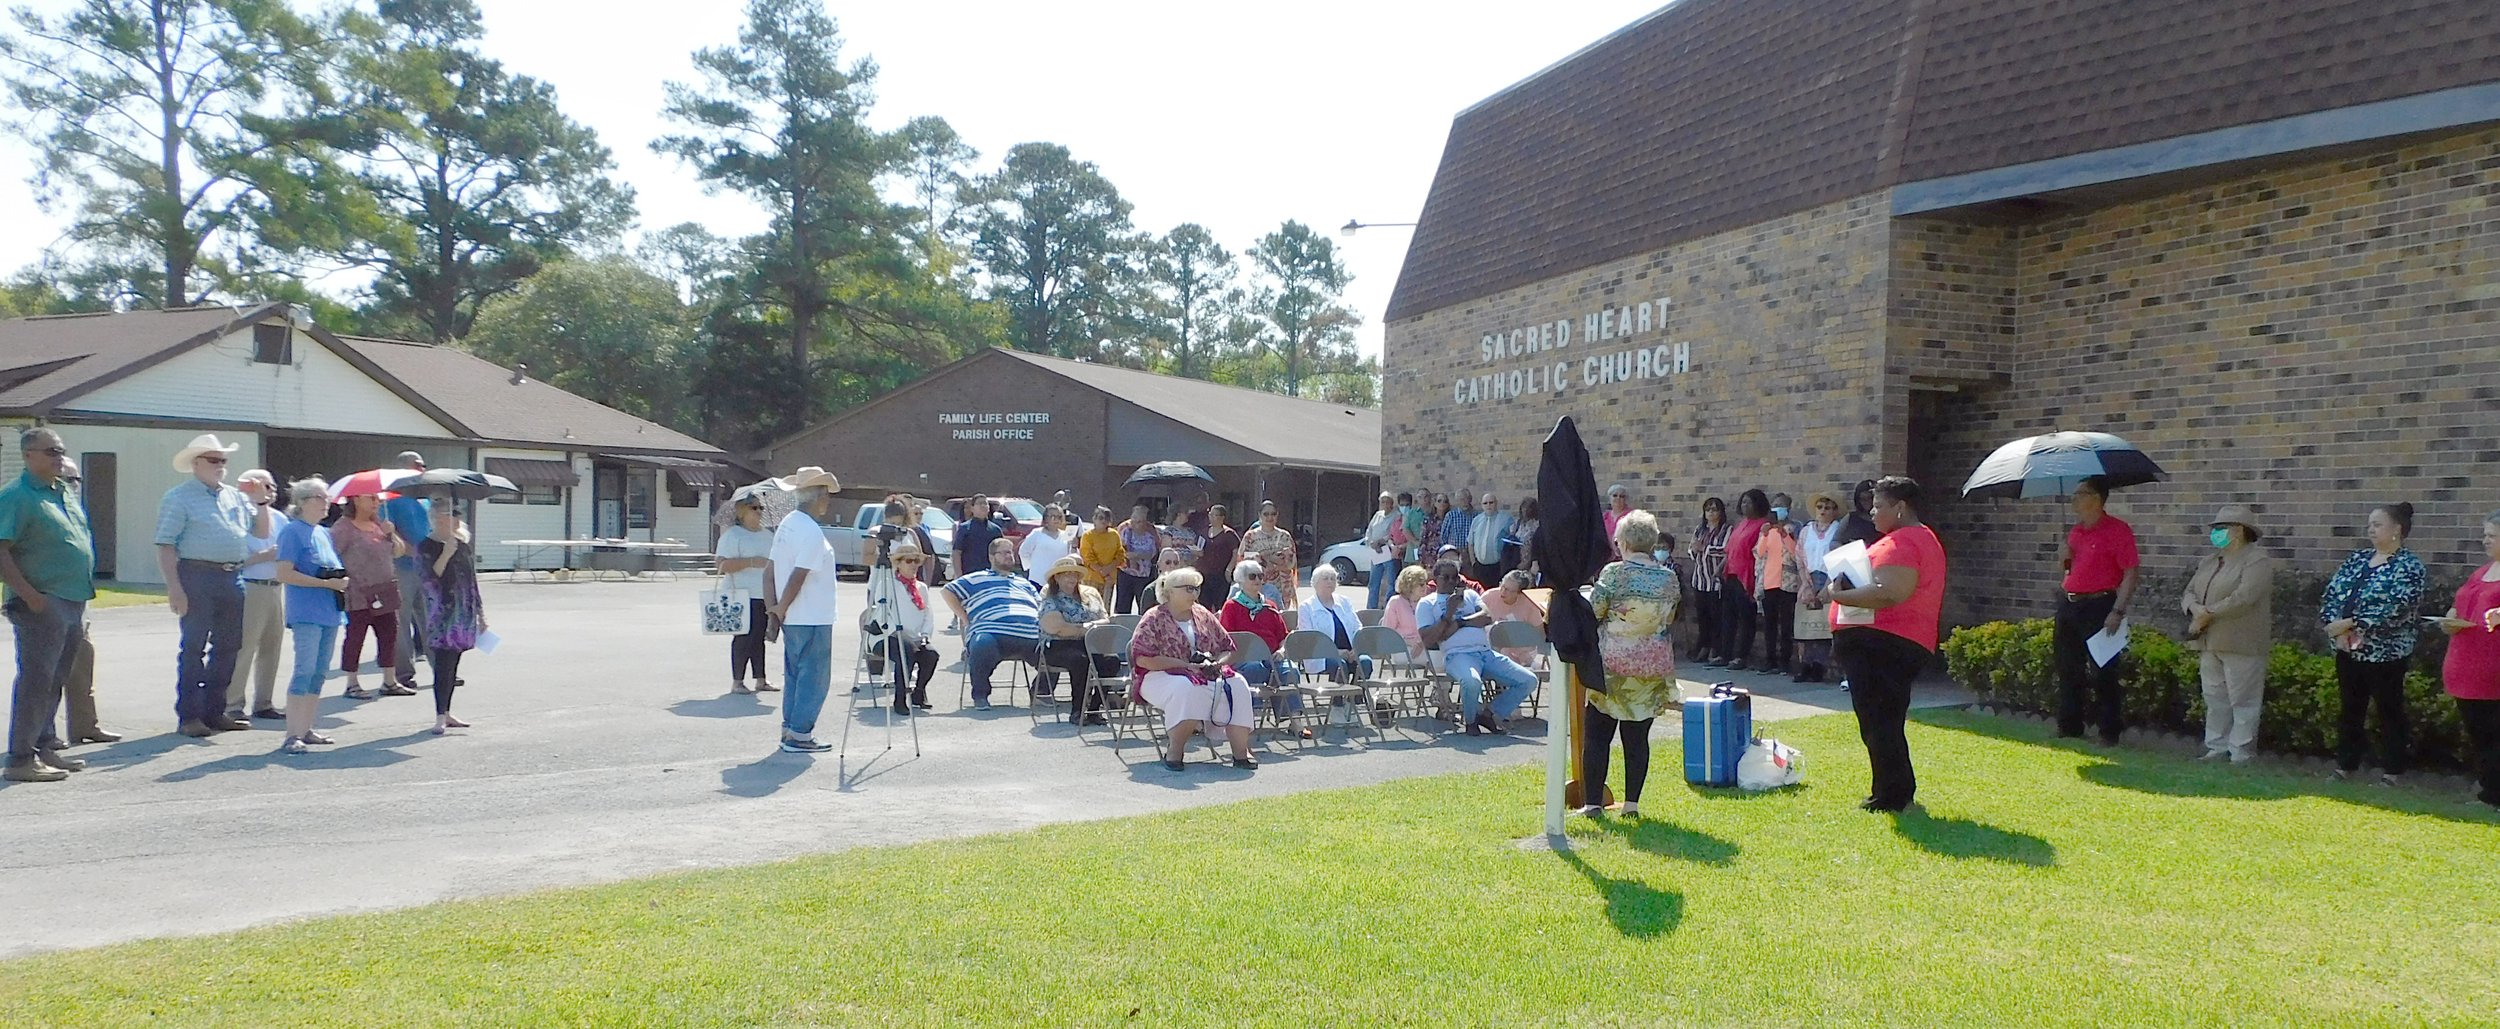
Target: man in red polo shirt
[2100, 561]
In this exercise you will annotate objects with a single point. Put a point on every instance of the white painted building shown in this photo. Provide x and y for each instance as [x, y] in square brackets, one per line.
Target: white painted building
[127, 390]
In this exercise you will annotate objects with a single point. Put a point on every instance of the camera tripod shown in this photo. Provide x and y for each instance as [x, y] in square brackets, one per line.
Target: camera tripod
[879, 630]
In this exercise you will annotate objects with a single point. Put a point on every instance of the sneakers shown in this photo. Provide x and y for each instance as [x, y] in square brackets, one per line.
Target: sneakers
[269, 714]
[765, 687]
[2214, 755]
[804, 745]
[32, 772]
[740, 689]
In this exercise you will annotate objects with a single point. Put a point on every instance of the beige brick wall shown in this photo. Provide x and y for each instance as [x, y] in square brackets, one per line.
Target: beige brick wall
[2311, 341]
[1784, 328]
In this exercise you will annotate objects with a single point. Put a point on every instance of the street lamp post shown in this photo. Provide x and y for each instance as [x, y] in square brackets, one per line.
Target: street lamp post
[1353, 225]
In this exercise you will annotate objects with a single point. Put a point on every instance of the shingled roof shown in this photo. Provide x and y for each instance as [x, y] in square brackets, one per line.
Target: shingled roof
[1292, 431]
[1709, 115]
[46, 360]
[483, 397]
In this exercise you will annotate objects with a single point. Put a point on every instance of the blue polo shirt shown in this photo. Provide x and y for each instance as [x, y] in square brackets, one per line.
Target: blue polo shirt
[414, 518]
[307, 547]
[205, 523]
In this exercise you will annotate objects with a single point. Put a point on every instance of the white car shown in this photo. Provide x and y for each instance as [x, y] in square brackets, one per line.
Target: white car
[1353, 559]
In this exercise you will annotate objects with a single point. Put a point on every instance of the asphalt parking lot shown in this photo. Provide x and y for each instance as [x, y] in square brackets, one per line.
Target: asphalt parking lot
[606, 745]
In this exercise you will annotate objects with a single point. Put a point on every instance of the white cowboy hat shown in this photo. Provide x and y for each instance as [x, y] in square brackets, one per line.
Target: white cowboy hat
[809, 476]
[204, 443]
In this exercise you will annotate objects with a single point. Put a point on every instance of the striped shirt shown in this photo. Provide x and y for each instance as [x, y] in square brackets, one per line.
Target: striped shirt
[999, 604]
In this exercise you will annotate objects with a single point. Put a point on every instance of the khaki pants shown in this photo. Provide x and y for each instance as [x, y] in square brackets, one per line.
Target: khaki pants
[78, 690]
[264, 631]
[2235, 696]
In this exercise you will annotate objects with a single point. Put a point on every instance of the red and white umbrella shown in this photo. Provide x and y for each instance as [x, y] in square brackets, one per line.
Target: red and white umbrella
[370, 482]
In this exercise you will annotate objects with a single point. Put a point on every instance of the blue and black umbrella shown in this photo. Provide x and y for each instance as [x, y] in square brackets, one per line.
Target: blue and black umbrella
[2054, 464]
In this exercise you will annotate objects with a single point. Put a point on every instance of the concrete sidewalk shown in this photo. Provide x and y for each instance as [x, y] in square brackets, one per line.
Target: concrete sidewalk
[606, 746]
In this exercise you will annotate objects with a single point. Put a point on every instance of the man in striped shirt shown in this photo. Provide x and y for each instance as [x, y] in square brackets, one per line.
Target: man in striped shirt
[1002, 615]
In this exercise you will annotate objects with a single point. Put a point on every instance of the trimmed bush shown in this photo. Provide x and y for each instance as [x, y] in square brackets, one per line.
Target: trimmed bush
[2009, 663]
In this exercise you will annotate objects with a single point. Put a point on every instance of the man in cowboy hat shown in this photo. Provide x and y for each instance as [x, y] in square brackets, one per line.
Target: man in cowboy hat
[47, 559]
[201, 527]
[800, 578]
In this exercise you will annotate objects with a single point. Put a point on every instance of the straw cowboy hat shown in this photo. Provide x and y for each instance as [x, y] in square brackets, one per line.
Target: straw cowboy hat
[809, 476]
[1063, 566]
[903, 549]
[204, 443]
[2239, 514]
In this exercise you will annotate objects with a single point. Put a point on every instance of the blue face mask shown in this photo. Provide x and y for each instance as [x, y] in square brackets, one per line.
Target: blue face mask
[2221, 535]
[1780, 513]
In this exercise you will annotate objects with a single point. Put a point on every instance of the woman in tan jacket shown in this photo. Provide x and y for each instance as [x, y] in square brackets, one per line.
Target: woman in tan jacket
[2230, 608]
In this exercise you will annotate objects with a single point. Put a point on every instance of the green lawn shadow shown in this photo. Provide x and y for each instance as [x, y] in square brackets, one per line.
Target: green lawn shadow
[1966, 839]
[1638, 909]
[2175, 775]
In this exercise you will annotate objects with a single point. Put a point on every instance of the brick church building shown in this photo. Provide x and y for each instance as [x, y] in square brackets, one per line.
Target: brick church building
[1795, 243]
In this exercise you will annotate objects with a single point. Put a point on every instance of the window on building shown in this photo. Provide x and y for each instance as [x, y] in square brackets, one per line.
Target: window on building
[682, 493]
[533, 495]
[638, 499]
[273, 344]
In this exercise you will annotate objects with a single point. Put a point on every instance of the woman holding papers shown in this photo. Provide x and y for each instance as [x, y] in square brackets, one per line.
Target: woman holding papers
[453, 616]
[1883, 655]
[1814, 615]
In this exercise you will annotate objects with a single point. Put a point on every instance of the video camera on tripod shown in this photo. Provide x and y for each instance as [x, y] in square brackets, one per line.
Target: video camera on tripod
[879, 623]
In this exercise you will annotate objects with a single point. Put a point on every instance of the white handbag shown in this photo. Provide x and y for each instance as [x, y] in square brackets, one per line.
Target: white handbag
[1769, 765]
[726, 611]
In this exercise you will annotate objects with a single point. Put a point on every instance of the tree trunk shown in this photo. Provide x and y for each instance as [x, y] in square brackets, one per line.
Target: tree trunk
[174, 234]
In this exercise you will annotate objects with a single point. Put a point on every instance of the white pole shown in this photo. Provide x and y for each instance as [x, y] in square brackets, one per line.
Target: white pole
[1557, 739]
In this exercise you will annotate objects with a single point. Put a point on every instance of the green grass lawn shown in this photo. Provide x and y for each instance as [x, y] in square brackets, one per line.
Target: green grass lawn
[119, 595]
[2041, 885]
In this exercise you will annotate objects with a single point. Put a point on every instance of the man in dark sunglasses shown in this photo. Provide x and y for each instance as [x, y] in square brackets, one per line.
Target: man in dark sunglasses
[201, 527]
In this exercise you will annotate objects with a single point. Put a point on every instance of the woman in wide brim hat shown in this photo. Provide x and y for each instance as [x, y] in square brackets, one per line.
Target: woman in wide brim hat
[2230, 607]
[1069, 607]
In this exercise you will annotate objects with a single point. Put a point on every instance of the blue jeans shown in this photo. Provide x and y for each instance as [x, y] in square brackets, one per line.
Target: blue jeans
[1469, 669]
[1384, 580]
[314, 643]
[45, 648]
[806, 676]
[212, 637]
[985, 651]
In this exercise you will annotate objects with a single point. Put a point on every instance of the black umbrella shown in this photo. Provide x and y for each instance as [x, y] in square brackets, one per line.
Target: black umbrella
[458, 484]
[1167, 471]
[1570, 548]
[2052, 465]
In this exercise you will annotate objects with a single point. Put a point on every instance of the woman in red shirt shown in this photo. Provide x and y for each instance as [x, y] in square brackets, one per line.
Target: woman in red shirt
[1881, 659]
[1739, 616]
[1249, 610]
[2472, 671]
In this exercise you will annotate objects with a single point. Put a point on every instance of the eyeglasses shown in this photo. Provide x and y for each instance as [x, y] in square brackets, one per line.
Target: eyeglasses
[52, 451]
[1178, 586]
[214, 460]
[906, 561]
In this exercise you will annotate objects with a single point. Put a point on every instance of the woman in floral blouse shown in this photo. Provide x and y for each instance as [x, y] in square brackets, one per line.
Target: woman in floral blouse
[1635, 600]
[2370, 614]
[1179, 652]
[1271, 545]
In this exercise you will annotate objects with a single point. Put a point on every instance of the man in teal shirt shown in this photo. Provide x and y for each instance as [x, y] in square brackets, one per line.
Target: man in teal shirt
[47, 562]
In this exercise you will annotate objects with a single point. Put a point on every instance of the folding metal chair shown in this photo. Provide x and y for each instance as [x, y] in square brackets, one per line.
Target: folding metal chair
[1369, 616]
[1111, 639]
[1249, 649]
[1021, 678]
[1396, 680]
[1324, 696]
[1510, 634]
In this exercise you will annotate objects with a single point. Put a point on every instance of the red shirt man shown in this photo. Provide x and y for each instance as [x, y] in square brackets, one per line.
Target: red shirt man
[2100, 554]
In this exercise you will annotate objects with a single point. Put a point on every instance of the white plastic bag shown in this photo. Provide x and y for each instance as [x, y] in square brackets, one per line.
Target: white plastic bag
[1769, 765]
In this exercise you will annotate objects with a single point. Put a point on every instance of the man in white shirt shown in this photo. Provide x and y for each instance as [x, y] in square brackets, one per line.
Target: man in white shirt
[800, 575]
[1452, 620]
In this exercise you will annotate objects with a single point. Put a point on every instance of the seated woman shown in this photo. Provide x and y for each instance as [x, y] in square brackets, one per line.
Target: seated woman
[1413, 582]
[1511, 603]
[1178, 654]
[1331, 613]
[1166, 563]
[1069, 607]
[1249, 610]
[908, 643]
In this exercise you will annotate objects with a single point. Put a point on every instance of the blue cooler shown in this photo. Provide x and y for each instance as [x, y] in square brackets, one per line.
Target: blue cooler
[1717, 729]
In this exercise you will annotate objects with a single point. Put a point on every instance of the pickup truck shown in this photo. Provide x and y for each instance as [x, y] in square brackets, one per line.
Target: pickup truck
[846, 538]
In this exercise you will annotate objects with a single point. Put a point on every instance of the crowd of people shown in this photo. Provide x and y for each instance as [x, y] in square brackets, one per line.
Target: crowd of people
[247, 567]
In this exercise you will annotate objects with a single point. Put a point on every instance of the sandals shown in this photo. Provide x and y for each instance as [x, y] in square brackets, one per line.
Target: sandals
[741, 689]
[360, 693]
[766, 687]
[295, 745]
[316, 739]
[1177, 766]
[398, 689]
[1246, 763]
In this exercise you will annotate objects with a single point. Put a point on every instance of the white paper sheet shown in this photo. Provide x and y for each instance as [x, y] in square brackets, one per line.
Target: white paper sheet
[2105, 646]
[487, 641]
[1852, 562]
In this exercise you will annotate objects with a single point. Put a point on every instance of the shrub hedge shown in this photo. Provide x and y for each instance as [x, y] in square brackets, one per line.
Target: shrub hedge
[2009, 663]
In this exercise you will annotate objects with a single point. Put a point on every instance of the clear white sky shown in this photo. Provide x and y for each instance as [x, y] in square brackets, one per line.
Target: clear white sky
[1234, 118]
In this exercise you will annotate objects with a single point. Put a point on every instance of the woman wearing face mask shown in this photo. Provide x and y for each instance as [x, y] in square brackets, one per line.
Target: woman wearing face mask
[2230, 607]
[1775, 585]
[2372, 619]
[1813, 624]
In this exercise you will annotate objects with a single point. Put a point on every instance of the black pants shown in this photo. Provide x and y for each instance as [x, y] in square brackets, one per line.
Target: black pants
[746, 650]
[1779, 628]
[1488, 574]
[2078, 620]
[2482, 745]
[446, 663]
[923, 662]
[1082, 669]
[2361, 684]
[1597, 745]
[1125, 591]
[1880, 667]
[1707, 614]
[1736, 619]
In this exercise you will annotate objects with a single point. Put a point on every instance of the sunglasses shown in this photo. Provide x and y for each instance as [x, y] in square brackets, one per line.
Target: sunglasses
[52, 451]
[214, 460]
[906, 560]
[1177, 586]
